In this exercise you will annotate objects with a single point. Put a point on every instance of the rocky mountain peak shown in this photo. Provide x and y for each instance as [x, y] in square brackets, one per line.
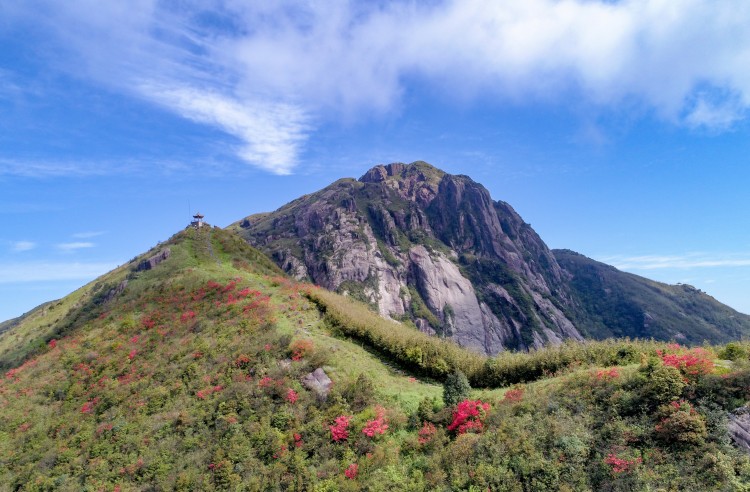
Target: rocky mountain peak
[422, 245]
[418, 243]
[418, 171]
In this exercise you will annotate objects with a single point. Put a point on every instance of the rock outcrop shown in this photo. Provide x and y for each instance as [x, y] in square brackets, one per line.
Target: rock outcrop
[420, 244]
[739, 427]
[319, 383]
[152, 261]
[415, 242]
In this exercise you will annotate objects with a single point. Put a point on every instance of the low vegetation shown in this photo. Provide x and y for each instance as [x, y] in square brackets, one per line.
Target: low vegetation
[191, 379]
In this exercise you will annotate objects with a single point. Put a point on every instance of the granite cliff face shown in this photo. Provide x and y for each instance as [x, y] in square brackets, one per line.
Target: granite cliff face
[424, 245]
[428, 247]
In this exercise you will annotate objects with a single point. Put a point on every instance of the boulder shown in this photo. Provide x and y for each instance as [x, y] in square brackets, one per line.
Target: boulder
[319, 383]
[739, 427]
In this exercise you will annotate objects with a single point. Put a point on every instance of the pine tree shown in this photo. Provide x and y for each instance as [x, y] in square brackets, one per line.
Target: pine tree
[455, 388]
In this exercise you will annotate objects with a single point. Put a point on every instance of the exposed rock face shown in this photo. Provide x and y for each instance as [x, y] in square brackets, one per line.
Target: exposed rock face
[151, 262]
[114, 292]
[739, 427]
[402, 231]
[418, 243]
[319, 383]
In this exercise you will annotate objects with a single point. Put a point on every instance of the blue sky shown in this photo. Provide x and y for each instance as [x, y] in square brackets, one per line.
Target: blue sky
[617, 129]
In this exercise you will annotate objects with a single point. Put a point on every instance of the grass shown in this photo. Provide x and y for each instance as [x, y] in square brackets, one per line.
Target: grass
[142, 397]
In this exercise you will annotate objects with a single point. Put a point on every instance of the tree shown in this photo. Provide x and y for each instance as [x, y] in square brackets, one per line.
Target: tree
[455, 388]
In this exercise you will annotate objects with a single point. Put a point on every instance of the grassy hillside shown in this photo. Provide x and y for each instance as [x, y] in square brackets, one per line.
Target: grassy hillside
[190, 378]
[617, 304]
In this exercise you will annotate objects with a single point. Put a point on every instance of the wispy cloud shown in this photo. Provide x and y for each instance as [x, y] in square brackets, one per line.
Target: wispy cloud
[52, 169]
[74, 246]
[88, 234]
[271, 133]
[20, 246]
[51, 271]
[686, 261]
[258, 71]
[43, 169]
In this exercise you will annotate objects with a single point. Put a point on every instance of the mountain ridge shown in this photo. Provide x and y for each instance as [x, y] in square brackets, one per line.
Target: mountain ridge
[195, 375]
[422, 245]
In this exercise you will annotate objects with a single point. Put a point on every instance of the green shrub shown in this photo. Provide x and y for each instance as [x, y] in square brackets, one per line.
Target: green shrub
[455, 388]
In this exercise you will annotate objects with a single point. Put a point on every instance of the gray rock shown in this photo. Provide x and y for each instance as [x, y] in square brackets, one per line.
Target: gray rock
[402, 227]
[151, 262]
[114, 292]
[319, 383]
[739, 427]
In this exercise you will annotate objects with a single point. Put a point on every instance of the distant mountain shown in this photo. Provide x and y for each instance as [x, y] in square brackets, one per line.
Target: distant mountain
[618, 304]
[422, 245]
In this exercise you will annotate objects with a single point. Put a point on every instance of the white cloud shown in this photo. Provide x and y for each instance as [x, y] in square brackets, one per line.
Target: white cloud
[74, 246]
[46, 169]
[259, 70]
[51, 271]
[715, 115]
[88, 234]
[20, 246]
[686, 261]
[31, 168]
[271, 133]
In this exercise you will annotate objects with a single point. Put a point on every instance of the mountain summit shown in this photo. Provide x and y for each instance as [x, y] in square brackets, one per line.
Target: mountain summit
[423, 245]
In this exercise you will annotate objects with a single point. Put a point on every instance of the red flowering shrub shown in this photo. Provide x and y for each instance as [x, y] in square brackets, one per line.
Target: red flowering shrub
[468, 416]
[352, 471]
[291, 396]
[340, 430]
[621, 465]
[514, 395]
[378, 425]
[607, 374]
[132, 354]
[300, 347]
[297, 440]
[203, 394]
[52, 343]
[187, 315]
[427, 433]
[691, 362]
[242, 361]
[88, 407]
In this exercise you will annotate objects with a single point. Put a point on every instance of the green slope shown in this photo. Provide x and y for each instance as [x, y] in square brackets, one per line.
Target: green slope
[189, 378]
[618, 304]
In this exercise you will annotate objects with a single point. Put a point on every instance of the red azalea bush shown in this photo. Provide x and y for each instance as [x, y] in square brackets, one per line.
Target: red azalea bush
[691, 362]
[607, 374]
[340, 430]
[291, 396]
[378, 425]
[427, 433]
[469, 416]
[514, 395]
[621, 465]
[300, 348]
[352, 471]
